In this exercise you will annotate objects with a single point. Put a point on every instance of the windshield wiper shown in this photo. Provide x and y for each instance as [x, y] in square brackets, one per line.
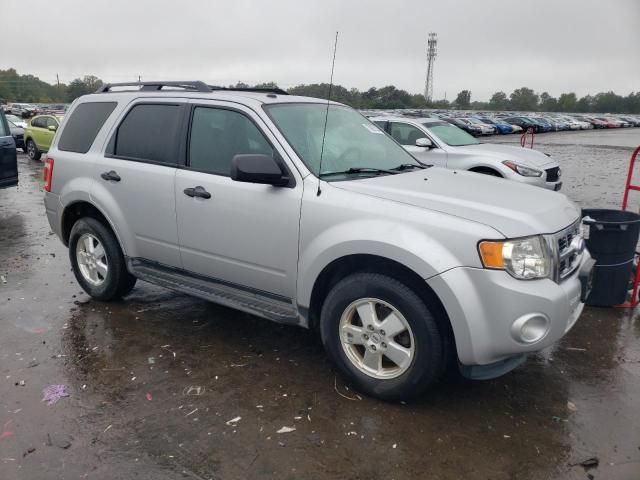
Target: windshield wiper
[409, 166]
[359, 170]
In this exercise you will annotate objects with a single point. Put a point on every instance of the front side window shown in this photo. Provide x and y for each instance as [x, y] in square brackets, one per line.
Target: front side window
[148, 132]
[39, 122]
[405, 134]
[351, 141]
[450, 134]
[218, 135]
[51, 122]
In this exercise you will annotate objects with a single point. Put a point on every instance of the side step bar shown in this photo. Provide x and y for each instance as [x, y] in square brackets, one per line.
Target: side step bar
[241, 298]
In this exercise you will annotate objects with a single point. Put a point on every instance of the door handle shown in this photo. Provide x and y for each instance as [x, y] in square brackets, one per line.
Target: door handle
[110, 176]
[198, 191]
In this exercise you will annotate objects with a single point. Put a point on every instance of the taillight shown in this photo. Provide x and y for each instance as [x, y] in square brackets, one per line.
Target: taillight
[47, 173]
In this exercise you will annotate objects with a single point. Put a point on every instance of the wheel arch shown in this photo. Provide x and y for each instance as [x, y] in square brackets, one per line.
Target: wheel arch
[80, 209]
[487, 170]
[359, 263]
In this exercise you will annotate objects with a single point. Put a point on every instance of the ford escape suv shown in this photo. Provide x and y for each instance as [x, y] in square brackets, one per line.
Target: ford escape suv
[304, 212]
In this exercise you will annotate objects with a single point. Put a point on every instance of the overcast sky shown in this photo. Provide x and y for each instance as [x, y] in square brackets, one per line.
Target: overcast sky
[484, 45]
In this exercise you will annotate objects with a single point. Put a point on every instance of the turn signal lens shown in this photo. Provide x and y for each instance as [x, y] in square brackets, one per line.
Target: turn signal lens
[491, 254]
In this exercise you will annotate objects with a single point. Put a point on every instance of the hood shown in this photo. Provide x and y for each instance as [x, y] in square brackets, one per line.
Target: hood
[525, 156]
[513, 209]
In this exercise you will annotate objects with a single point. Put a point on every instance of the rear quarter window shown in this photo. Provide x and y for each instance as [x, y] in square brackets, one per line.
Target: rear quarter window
[83, 125]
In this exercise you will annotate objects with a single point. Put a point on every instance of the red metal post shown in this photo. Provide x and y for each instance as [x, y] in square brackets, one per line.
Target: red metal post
[628, 186]
[625, 202]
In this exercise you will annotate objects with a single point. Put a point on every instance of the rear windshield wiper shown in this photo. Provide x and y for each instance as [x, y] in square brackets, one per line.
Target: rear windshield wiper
[359, 170]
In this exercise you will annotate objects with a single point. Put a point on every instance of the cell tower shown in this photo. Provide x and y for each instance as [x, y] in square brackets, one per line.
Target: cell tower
[432, 52]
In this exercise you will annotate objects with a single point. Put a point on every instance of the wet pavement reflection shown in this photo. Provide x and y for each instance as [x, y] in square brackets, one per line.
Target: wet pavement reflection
[167, 386]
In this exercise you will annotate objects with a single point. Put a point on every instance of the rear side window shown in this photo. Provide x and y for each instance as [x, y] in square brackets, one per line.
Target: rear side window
[84, 124]
[148, 132]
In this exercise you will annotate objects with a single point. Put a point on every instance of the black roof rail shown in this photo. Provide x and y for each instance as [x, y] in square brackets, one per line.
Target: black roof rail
[276, 90]
[196, 85]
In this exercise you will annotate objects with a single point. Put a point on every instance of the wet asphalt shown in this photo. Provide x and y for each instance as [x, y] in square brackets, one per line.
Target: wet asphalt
[164, 386]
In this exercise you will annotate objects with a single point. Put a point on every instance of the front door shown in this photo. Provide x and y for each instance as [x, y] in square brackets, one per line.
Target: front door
[8, 157]
[244, 234]
[406, 135]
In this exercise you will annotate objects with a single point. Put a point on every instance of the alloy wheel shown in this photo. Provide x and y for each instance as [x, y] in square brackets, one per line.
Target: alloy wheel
[376, 338]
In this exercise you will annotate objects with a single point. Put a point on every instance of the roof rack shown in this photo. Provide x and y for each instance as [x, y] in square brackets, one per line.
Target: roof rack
[194, 85]
[276, 90]
[155, 86]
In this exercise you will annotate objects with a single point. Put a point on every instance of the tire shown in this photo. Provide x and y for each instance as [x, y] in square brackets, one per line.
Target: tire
[423, 337]
[32, 150]
[89, 263]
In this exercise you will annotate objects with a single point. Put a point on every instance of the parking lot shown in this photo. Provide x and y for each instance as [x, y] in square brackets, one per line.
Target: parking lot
[168, 386]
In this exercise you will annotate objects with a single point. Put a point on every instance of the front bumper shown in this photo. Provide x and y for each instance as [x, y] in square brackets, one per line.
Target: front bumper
[483, 306]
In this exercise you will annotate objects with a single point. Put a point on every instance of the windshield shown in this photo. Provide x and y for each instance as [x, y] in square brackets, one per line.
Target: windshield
[351, 141]
[450, 134]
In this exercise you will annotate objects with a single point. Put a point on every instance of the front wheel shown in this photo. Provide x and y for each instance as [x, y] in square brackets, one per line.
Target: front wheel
[382, 336]
[98, 262]
[32, 150]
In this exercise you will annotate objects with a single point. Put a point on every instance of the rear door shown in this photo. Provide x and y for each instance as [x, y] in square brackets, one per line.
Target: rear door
[406, 135]
[134, 179]
[8, 156]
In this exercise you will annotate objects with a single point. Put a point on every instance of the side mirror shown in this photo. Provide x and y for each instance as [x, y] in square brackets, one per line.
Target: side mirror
[424, 142]
[53, 128]
[258, 168]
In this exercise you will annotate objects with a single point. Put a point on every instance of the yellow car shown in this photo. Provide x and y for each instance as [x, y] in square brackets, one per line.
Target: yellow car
[39, 134]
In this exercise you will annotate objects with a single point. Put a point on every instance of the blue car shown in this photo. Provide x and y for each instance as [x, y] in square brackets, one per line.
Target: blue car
[503, 128]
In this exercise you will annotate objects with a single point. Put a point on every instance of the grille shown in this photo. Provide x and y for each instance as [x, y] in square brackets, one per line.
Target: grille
[553, 174]
[569, 255]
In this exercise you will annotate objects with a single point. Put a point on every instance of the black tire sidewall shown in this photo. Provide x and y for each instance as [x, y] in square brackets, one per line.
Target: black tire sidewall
[427, 364]
[36, 153]
[112, 286]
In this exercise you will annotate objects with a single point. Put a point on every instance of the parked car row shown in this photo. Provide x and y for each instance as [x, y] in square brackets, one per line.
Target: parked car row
[502, 123]
[28, 110]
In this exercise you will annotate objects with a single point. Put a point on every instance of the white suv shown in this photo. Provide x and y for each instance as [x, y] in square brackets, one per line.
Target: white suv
[304, 212]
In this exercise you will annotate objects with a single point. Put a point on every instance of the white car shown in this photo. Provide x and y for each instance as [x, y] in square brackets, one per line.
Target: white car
[436, 142]
[17, 121]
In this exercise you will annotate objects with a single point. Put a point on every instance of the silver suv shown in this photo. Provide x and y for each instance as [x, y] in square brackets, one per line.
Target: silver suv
[304, 212]
[437, 142]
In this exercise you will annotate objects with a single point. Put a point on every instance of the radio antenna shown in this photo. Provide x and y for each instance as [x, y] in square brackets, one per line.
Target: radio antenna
[326, 114]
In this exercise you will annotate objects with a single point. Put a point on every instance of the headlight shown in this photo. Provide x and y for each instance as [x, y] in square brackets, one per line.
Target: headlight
[522, 170]
[524, 258]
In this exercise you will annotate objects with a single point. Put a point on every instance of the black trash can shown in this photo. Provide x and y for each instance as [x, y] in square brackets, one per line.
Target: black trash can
[612, 238]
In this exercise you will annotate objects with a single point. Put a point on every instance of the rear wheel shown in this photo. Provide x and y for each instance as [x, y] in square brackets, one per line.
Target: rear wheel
[97, 261]
[382, 336]
[32, 150]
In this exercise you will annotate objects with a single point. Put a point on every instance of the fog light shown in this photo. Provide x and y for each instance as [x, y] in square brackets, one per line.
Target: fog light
[530, 328]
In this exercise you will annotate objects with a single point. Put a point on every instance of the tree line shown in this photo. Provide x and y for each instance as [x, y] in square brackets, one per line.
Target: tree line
[30, 89]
